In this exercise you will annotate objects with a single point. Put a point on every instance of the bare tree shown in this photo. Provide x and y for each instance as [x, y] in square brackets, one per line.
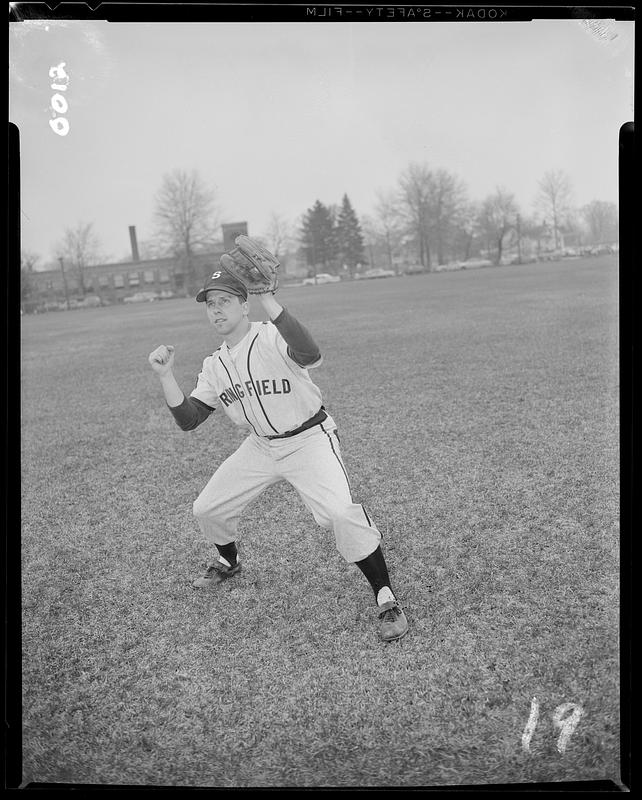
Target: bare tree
[80, 248]
[186, 218]
[278, 235]
[150, 249]
[448, 201]
[466, 229]
[554, 200]
[416, 185]
[602, 220]
[532, 232]
[386, 226]
[497, 218]
[28, 261]
[433, 202]
[371, 238]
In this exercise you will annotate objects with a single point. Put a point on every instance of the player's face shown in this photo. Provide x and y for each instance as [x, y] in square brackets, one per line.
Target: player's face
[225, 311]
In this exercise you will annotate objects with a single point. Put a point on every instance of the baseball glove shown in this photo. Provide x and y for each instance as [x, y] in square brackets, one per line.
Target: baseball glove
[253, 265]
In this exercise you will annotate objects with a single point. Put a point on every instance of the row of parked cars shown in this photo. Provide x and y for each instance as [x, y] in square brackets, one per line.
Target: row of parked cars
[576, 252]
[149, 297]
[326, 277]
[93, 301]
[375, 273]
[472, 263]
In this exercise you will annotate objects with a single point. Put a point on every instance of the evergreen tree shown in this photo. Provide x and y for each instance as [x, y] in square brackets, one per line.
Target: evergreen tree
[318, 237]
[350, 248]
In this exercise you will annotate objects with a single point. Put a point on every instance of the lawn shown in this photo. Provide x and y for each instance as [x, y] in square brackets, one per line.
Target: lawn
[478, 415]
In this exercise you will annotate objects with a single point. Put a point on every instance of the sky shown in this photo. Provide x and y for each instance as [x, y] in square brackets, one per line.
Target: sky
[275, 116]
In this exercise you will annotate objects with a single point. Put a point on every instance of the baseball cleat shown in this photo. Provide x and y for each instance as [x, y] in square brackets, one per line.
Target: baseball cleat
[393, 623]
[216, 573]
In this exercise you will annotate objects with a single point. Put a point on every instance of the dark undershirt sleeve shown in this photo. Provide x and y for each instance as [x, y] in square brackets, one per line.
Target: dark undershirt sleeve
[190, 413]
[301, 346]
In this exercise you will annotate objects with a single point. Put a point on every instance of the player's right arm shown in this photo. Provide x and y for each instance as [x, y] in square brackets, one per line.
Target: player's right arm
[187, 411]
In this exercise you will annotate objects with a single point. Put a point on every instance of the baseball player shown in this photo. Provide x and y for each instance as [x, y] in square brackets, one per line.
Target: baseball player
[259, 376]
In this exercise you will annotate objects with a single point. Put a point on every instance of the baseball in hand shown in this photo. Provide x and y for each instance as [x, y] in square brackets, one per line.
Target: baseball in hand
[162, 359]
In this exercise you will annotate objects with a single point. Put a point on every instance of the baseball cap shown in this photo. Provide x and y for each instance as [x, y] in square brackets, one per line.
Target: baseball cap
[224, 282]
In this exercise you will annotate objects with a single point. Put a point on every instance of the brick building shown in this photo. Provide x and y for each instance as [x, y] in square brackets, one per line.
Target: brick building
[112, 283]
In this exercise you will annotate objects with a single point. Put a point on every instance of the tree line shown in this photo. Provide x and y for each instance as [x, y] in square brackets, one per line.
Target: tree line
[427, 219]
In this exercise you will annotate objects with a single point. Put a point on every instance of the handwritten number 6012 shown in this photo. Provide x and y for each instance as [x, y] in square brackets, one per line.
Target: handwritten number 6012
[59, 104]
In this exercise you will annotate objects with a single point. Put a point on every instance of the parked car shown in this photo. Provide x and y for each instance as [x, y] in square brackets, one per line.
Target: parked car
[91, 301]
[449, 267]
[552, 255]
[474, 263]
[375, 273]
[322, 277]
[141, 297]
[51, 306]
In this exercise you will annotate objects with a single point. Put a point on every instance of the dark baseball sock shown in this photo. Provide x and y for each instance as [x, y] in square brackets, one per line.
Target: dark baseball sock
[229, 552]
[375, 569]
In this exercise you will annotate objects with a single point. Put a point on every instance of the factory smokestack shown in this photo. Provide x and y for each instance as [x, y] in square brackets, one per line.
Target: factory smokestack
[134, 243]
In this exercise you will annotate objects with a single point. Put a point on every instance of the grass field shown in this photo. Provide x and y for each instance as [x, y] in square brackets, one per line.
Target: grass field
[478, 415]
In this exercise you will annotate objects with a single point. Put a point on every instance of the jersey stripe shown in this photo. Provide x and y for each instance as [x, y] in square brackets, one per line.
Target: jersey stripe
[240, 401]
[249, 353]
[336, 456]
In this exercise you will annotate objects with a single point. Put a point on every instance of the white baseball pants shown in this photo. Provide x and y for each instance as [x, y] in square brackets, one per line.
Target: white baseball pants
[311, 462]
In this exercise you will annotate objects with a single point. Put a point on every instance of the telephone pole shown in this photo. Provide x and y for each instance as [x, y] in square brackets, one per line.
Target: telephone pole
[64, 280]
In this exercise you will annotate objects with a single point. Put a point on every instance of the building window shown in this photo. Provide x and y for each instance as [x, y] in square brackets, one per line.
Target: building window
[149, 276]
[103, 281]
[134, 280]
[119, 281]
[164, 276]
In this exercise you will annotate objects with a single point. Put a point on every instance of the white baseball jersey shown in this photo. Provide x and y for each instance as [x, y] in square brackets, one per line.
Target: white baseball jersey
[258, 385]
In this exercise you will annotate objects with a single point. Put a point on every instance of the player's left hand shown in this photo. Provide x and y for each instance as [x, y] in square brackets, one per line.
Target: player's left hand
[253, 265]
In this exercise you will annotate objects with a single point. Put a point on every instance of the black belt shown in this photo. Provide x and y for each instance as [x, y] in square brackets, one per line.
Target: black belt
[319, 417]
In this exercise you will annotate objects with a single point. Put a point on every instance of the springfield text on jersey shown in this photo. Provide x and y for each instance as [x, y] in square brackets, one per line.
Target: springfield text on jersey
[257, 383]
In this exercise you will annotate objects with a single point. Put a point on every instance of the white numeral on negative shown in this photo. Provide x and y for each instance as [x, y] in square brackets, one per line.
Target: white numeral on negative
[565, 717]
